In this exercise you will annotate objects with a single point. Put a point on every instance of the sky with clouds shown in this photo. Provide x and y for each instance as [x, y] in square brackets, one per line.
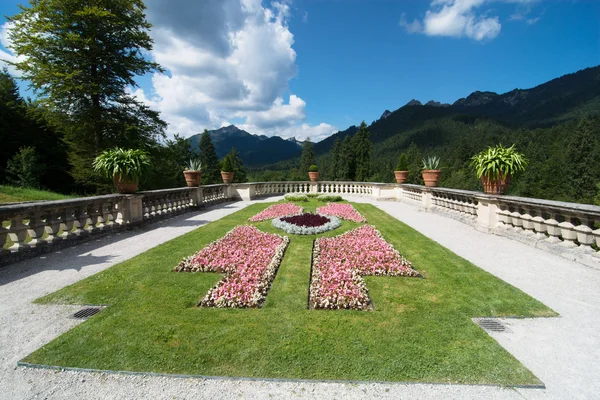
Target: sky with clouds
[307, 68]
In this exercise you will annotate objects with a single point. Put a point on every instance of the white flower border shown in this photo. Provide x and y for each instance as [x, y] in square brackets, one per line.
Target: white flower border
[259, 295]
[334, 223]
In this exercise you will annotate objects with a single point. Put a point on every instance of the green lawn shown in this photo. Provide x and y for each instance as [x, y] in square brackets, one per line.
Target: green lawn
[12, 194]
[420, 330]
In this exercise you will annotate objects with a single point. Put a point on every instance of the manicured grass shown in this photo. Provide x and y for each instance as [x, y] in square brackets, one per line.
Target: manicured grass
[12, 194]
[420, 330]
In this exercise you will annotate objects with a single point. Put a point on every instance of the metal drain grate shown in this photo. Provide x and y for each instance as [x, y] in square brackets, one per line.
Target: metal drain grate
[492, 325]
[86, 312]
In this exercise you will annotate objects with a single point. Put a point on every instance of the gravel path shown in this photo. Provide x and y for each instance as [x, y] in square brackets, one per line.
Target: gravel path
[563, 352]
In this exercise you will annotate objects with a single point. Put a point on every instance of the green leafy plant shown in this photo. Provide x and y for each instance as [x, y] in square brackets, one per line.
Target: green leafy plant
[431, 163]
[194, 164]
[295, 197]
[402, 163]
[129, 165]
[313, 168]
[24, 168]
[499, 159]
[329, 197]
[227, 164]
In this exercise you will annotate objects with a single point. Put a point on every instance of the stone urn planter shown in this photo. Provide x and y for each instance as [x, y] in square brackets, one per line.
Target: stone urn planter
[192, 178]
[431, 177]
[124, 186]
[227, 176]
[495, 186]
[401, 176]
[314, 176]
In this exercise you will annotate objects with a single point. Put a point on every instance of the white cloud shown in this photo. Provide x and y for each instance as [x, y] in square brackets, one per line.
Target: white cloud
[7, 55]
[463, 18]
[226, 59]
[411, 27]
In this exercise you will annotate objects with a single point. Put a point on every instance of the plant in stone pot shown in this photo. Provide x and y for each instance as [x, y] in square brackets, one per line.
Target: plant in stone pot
[496, 166]
[126, 167]
[313, 173]
[431, 172]
[401, 171]
[227, 169]
[193, 172]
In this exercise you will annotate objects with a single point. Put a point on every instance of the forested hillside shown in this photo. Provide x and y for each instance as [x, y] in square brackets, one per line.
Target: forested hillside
[556, 125]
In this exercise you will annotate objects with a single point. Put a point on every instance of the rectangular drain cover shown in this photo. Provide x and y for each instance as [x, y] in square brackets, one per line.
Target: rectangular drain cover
[86, 312]
[491, 325]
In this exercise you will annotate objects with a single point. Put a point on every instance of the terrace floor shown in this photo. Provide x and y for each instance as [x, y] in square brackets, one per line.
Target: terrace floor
[563, 352]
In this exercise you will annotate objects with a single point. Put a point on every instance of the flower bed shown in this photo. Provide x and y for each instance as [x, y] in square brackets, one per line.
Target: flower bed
[248, 257]
[343, 211]
[329, 197]
[277, 210]
[340, 262]
[307, 224]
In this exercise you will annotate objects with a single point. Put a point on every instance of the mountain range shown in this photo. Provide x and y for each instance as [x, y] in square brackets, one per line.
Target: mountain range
[559, 100]
[255, 150]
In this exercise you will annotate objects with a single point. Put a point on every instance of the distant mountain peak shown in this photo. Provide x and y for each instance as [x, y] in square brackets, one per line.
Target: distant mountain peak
[385, 114]
[433, 103]
[414, 102]
[476, 98]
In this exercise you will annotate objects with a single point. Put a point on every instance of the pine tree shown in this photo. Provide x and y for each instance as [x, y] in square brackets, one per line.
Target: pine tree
[362, 152]
[308, 156]
[348, 160]
[12, 115]
[211, 170]
[584, 165]
[415, 158]
[336, 155]
[81, 58]
[240, 174]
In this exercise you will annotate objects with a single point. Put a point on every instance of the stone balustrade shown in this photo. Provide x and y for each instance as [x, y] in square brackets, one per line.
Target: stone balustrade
[568, 229]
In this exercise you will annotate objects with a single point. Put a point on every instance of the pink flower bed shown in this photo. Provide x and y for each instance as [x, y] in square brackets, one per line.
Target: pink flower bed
[276, 211]
[340, 262]
[248, 257]
[343, 211]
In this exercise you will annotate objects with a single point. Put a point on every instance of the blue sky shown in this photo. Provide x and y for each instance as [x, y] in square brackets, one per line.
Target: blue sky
[311, 67]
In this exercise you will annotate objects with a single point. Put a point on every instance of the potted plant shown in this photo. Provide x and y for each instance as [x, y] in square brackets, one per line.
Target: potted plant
[227, 169]
[496, 166]
[125, 167]
[401, 171]
[431, 172]
[313, 173]
[193, 172]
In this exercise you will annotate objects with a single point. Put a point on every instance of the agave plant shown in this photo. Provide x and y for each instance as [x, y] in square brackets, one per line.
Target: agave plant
[497, 161]
[431, 163]
[194, 164]
[126, 164]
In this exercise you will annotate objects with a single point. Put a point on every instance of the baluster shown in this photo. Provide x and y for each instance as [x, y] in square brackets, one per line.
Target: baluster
[3, 237]
[516, 220]
[528, 224]
[568, 234]
[53, 224]
[79, 221]
[553, 231]
[596, 234]
[585, 237]
[35, 229]
[18, 234]
[539, 227]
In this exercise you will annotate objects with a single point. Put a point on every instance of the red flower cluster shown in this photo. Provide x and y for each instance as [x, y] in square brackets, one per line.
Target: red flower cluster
[340, 262]
[248, 257]
[307, 219]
